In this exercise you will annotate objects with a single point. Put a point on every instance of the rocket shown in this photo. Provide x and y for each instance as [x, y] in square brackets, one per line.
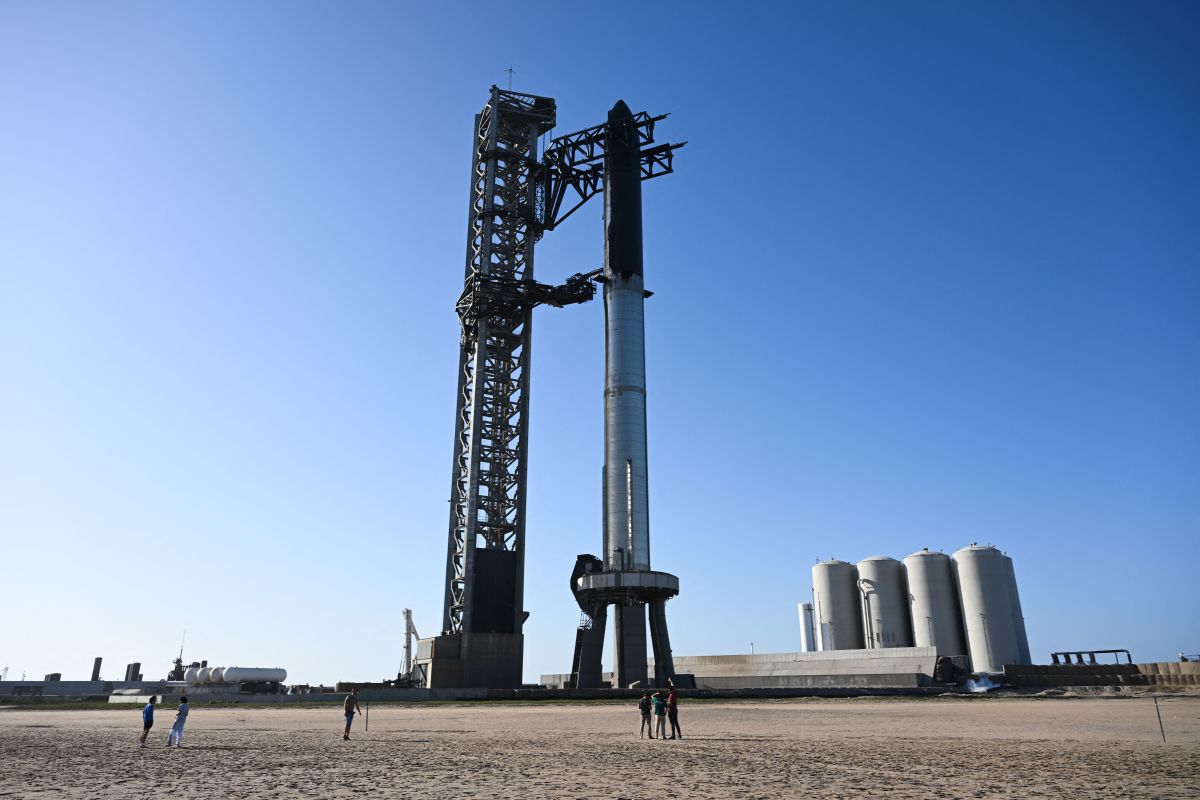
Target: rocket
[623, 577]
[626, 512]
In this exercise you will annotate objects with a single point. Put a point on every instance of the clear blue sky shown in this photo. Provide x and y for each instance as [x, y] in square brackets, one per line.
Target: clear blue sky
[927, 274]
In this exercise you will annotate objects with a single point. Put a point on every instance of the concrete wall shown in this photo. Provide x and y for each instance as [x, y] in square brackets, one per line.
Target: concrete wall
[895, 680]
[825, 662]
[1168, 673]
[889, 667]
[56, 688]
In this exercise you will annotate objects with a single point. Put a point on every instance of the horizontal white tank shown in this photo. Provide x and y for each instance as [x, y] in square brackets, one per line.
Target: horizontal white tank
[202, 674]
[189, 674]
[884, 603]
[254, 675]
[836, 606]
[215, 675]
[984, 576]
[933, 603]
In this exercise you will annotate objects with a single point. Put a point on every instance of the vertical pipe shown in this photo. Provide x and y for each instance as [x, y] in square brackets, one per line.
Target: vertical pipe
[408, 626]
[629, 511]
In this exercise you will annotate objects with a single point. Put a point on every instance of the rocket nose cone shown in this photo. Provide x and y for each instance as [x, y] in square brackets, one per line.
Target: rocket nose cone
[619, 111]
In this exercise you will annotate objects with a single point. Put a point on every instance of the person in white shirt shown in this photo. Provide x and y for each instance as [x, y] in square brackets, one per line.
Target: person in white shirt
[175, 737]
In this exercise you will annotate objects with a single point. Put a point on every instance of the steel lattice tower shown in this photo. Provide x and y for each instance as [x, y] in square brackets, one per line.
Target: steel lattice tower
[487, 494]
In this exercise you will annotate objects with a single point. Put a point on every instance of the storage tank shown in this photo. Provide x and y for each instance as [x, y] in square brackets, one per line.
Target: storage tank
[933, 603]
[1018, 617]
[202, 674]
[983, 588]
[255, 675]
[808, 639]
[884, 603]
[189, 674]
[836, 607]
[215, 675]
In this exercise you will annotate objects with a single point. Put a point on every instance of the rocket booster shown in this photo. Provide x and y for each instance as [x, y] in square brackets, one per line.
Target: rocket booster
[626, 485]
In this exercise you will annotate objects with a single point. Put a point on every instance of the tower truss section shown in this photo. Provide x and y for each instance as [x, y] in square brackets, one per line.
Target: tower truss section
[482, 642]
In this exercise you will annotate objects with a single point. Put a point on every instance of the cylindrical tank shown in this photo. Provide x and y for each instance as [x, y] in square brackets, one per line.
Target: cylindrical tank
[202, 674]
[189, 674]
[983, 589]
[836, 606]
[933, 603]
[808, 639]
[254, 675]
[1018, 617]
[215, 675]
[884, 603]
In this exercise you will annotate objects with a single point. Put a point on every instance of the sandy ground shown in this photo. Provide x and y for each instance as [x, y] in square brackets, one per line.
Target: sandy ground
[987, 747]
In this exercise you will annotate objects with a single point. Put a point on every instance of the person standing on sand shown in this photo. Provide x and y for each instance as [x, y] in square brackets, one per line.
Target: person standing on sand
[147, 719]
[350, 708]
[647, 725]
[176, 735]
[660, 715]
[673, 712]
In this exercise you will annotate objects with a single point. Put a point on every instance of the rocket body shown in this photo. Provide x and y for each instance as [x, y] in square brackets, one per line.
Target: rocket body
[626, 484]
[626, 582]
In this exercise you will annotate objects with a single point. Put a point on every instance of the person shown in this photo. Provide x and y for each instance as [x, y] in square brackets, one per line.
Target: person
[350, 708]
[147, 719]
[673, 712]
[660, 715]
[175, 737]
[647, 725]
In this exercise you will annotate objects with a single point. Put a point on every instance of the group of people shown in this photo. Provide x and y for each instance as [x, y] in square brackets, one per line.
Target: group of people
[653, 706]
[175, 737]
[663, 709]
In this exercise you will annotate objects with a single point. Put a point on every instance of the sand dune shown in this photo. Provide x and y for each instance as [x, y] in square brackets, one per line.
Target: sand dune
[987, 747]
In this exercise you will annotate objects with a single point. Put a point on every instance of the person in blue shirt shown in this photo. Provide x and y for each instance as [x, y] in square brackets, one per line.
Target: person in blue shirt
[176, 735]
[660, 715]
[147, 719]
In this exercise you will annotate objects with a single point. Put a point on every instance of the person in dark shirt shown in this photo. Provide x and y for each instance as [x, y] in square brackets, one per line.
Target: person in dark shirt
[673, 713]
[147, 719]
[647, 725]
[350, 708]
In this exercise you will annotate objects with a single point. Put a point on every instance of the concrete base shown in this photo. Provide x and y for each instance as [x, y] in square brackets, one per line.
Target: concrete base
[472, 660]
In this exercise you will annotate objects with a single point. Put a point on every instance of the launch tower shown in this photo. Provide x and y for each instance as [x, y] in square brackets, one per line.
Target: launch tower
[515, 197]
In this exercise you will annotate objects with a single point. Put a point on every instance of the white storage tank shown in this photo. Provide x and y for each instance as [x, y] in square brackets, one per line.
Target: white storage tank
[255, 675]
[808, 638]
[202, 674]
[933, 603]
[983, 587]
[215, 675]
[1018, 616]
[837, 611]
[884, 603]
[189, 674]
